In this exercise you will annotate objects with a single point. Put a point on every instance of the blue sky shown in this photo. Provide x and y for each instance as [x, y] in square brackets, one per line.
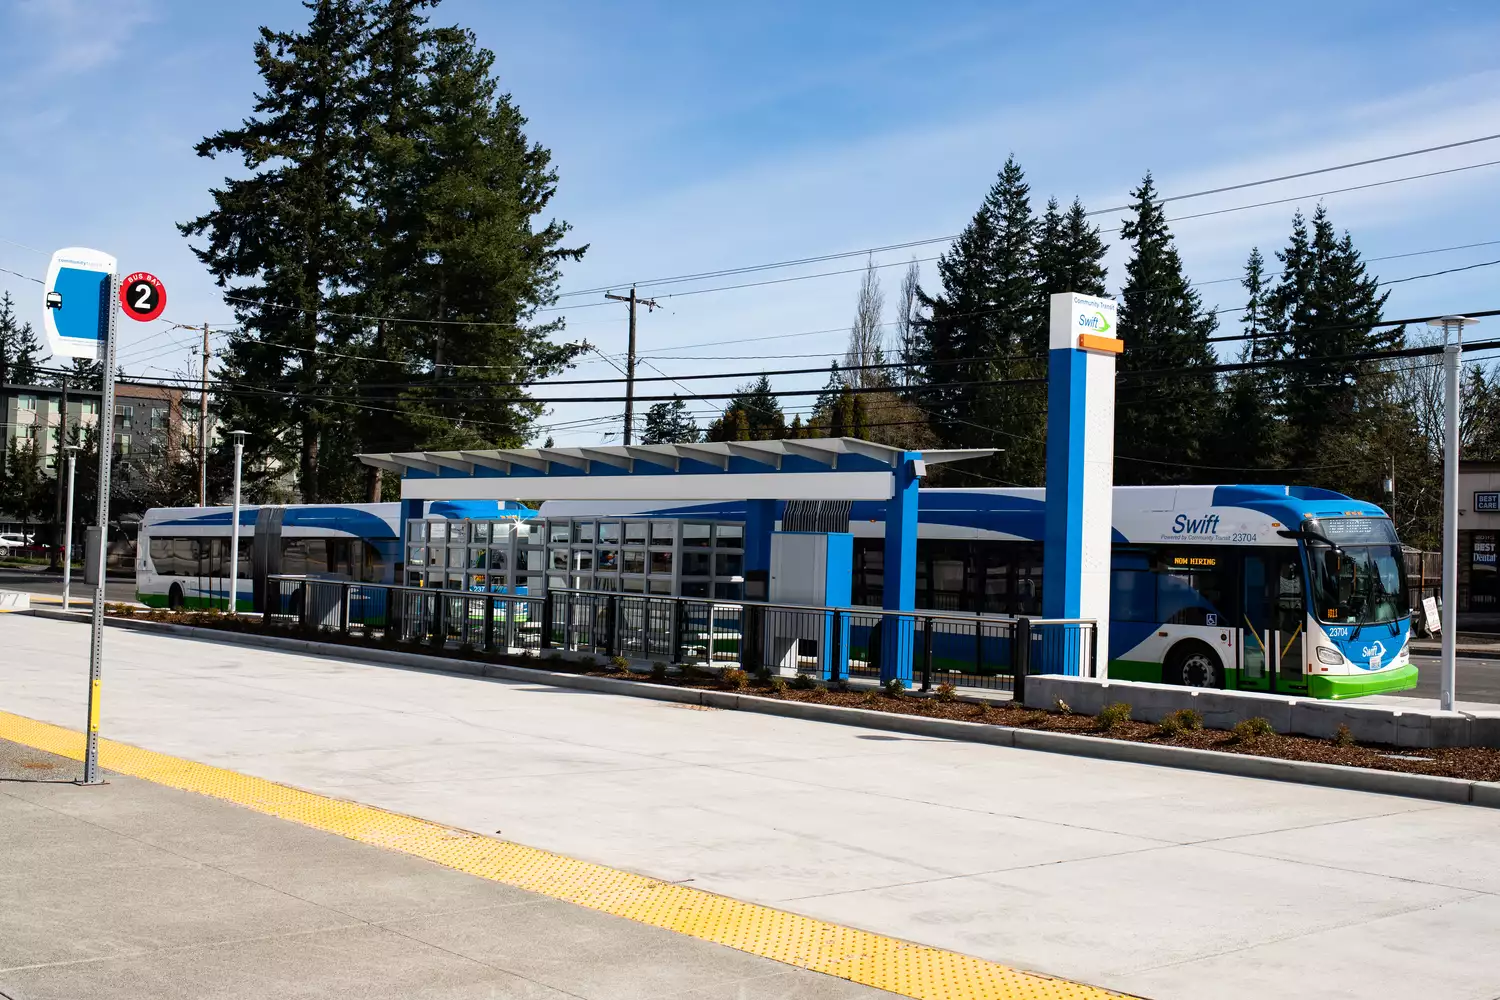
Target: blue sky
[698, 136]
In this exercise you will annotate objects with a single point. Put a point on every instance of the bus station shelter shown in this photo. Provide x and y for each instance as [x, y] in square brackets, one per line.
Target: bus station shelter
[760, 473]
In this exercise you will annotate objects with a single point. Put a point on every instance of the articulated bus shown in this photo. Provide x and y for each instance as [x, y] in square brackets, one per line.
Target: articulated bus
[1289, 589]
[182, 555]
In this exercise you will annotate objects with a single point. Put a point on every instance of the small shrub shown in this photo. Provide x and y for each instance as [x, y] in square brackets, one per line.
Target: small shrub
[735, 679]
[871, 696]
[586, 662]
[841, 685]
[804, 682]
[778, 685]
[1250, 730]
[894, 688]
[945, 692]
[1179, 721]
[1342, 737]
[982, 709]
[1112, 716]
[554, 657]
[620, 663]
[1058, 705]
[658, 671]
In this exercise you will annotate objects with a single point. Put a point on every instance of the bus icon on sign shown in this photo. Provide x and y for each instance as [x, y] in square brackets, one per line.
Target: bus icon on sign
[1487, 501]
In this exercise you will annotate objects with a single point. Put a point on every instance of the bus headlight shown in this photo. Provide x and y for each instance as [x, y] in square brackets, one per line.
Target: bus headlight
[1332, 657]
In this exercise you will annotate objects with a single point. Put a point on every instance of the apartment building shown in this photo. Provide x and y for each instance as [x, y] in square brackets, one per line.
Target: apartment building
[149, 420]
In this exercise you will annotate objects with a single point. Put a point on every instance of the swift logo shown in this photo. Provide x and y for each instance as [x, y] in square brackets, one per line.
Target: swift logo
[1375, 652]
[1096, 323]
[1207, 525]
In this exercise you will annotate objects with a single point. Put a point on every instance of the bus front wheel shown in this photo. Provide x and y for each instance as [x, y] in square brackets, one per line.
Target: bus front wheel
[175, 600]
[1193, 664]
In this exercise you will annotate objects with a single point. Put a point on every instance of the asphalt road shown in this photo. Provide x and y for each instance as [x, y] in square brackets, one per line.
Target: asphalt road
[115, 588]
[1478, 679]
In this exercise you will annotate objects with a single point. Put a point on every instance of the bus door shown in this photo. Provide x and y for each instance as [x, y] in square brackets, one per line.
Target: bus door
[1271, 631]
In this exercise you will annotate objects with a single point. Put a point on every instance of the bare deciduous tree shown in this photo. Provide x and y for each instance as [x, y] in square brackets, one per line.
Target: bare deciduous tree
[906, 322]
[864, 336]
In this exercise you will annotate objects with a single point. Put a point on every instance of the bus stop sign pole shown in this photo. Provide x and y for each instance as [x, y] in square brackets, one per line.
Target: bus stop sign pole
[106, 438]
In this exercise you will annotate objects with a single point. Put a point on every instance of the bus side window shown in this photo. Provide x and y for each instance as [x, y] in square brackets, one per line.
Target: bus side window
[184, 557]
[1132, 596]
[161, 556]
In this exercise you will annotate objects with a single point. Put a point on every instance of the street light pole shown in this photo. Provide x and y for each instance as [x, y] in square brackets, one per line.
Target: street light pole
[1453, 338]
[72, 450]
[234, 528]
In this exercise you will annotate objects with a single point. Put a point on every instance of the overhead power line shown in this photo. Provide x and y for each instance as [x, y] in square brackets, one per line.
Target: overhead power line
[795, 262]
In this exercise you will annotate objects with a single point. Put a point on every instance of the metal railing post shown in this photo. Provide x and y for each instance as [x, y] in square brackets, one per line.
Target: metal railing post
[302, 612]
[1020, 658]
[344, 609]
[926, 654]
[675, 637]
[611, 626]
[489, 623]
[836, 662]
[978, 647]
[392, 617]
[440, 619]
[547, 606]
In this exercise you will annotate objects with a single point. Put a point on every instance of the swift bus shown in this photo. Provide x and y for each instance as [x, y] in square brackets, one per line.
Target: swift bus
[1289, 589]
[182, 555]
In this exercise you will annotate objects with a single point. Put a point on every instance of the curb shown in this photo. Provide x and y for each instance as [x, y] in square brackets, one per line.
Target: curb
[1421, 786]
[1472, 654]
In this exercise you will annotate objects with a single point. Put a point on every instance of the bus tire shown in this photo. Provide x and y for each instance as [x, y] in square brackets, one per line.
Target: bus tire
[1193, 664]
[175, 600]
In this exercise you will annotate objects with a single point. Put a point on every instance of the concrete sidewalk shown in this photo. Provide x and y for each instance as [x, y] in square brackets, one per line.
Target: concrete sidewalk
[1478, 645]
[133, 890]
[1162, 883]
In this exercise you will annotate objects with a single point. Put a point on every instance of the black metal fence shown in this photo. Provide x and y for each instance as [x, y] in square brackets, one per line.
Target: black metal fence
[930, 648]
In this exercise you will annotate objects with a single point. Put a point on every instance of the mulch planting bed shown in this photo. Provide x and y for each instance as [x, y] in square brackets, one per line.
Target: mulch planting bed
[1469, 763]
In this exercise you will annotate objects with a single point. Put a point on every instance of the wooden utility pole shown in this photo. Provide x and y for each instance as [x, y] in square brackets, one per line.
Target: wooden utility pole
[630, 358]
[203, 427]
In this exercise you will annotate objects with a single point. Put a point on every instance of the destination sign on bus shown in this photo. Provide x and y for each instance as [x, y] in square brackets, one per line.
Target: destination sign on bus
[1194, 561]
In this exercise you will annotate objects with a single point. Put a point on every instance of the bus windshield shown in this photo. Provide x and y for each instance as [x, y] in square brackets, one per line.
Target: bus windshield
[1360, 579]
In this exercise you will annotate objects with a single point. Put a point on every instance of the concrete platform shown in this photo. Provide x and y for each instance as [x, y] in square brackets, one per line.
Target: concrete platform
[1163, 883]
[133, 890]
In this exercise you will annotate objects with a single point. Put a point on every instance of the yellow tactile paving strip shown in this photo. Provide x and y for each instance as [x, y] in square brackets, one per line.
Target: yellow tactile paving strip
[885, 963]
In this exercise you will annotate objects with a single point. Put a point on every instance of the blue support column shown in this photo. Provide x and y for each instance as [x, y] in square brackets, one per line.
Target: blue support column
[411, 510]
[838, 592]
[1083, 343]
[760, 521]
[898, 632]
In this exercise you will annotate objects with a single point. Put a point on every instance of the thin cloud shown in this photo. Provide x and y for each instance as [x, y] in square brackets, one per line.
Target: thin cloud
[79, 36]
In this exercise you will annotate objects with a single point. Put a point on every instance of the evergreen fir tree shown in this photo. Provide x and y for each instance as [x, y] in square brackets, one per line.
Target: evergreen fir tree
[283, 241]
[1069, 258]
[754, 414]
[484, 262]
[1250, 438]
[8, 333]
[670, 423]
[389, 177]
[949, 336]
[1326, 306]
[1165, 421]
[19, 347]
[978, 330]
